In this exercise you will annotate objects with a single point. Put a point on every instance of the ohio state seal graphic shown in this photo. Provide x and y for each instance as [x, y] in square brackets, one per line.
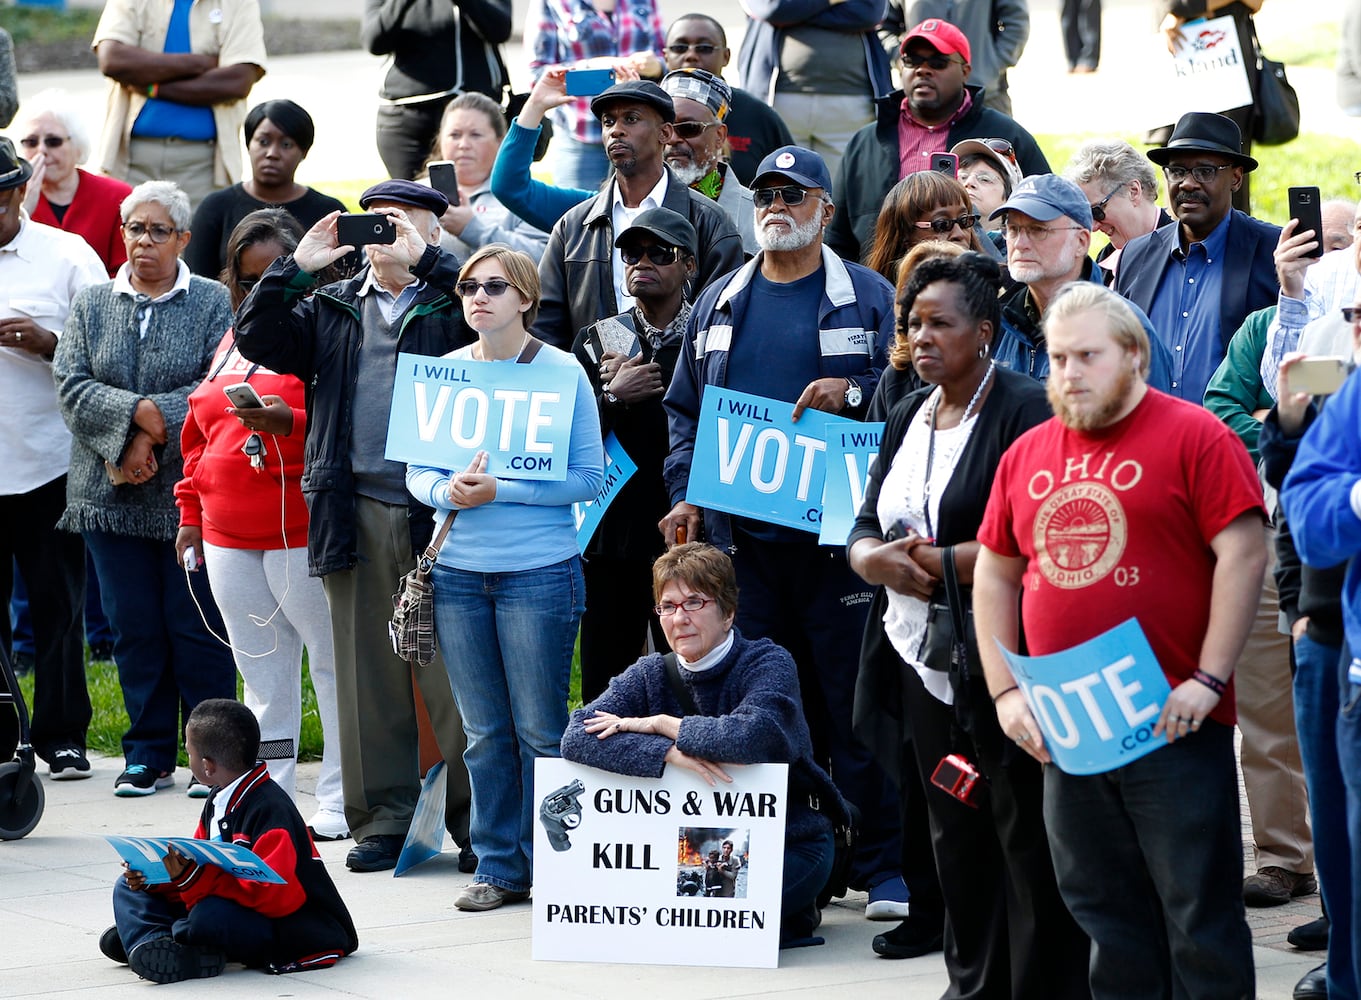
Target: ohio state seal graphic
[1080, 533]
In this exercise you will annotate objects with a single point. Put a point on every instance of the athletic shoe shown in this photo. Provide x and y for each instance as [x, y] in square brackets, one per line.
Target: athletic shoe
[68, 763]
[1273, 886]
[326, 825]
[165, 960]
[138, 779]
[376, 853]
[888, 900]
[197, 789]
[484, 896]
[111, 946]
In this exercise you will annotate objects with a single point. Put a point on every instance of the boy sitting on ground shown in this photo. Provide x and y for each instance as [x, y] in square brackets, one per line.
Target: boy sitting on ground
[204, 917]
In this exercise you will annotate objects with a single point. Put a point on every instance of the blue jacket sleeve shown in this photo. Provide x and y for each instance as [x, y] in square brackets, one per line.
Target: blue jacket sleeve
[539, 204]
[1318, 489]
[682, 411]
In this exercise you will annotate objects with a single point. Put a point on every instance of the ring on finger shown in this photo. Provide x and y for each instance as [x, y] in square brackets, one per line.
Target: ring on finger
[1022, 737]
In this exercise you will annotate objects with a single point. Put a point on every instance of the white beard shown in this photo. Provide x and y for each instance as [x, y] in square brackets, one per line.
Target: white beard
[798, 236]
[687, 171]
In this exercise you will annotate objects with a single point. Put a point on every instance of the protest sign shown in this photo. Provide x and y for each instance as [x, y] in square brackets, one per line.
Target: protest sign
[751, 459]
[1096, 703]
[851, 454]
[619, 469]
[144, 854]
[1208, 72]
[630, 869]
[444, 411]
[425, 835]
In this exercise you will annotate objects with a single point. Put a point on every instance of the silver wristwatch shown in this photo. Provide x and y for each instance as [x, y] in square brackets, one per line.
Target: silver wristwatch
[854, 395]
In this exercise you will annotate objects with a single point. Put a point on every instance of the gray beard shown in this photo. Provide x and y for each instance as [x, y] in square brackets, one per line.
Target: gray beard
[687, 172]
[798, 237]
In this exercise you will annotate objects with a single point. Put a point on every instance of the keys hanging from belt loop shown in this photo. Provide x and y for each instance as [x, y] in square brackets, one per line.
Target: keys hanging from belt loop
[254, 448]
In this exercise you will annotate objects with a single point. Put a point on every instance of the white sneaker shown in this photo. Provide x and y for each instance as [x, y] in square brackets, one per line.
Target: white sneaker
[327, 824]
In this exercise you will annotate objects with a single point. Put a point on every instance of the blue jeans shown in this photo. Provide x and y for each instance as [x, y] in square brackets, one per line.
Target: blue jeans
[1318, 725]
[807, 866]
[1149, 859]
[1349, 760]
[507, 642]
[215, 923]
[167, 660]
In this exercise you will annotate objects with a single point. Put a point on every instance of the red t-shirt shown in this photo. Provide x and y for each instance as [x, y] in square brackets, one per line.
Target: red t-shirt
[1117, 522]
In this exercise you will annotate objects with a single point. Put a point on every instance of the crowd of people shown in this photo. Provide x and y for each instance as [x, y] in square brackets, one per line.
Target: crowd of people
[206, 368]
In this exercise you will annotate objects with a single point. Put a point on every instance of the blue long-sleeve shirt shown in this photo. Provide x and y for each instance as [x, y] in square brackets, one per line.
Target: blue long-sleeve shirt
[530, 522]
[539, 204]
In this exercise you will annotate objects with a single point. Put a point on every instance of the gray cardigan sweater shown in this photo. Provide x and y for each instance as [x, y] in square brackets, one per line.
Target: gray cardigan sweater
[102, 369]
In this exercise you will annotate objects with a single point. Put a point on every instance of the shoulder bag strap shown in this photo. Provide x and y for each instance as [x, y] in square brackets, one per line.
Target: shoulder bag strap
[678, 688]
[531, 350]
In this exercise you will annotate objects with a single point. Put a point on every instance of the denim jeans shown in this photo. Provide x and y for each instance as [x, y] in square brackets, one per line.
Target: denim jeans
[807, 866]
[1349, 759]
[215, 923]
[1149, 859]
[167, 660]
[507, 640]
[1317, 722]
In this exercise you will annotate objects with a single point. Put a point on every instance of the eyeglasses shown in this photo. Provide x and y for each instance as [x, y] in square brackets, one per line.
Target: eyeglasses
[1203, 174]
[48, 141]
[656, 253]
[790, 194]
[1351, 313]
[699, 48]
[246, 284]
[982, 177]
[691, 604]
[1099, 209]
[1035, 234]
[158, 233]
[943, 226]
[935, 60]
[492, 286]
[691, 130]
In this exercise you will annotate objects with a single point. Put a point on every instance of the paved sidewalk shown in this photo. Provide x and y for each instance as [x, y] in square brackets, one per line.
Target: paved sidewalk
[54, 903]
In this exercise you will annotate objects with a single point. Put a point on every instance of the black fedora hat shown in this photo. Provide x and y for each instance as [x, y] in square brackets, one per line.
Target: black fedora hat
[1204, 132]
[14, 169]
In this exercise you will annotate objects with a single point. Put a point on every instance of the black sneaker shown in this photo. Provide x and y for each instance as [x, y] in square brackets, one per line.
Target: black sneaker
[165, 960]
[138, 779]
[111, 946]
[377, 853]
[68, 763]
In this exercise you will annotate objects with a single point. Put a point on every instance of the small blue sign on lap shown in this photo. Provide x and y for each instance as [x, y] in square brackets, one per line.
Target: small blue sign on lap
[144, 854]
[445, 410]
[619, 469]
[753, 460]
[1098, 702]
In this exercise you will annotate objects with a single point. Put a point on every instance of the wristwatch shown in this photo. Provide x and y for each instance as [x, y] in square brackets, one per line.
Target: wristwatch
[610, 397]
[854, 395]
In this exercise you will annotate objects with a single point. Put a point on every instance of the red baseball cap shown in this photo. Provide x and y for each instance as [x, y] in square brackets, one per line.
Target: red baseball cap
[943, 36]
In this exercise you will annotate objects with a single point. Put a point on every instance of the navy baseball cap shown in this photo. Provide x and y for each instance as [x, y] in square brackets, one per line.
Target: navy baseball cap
[404, 192]
[802, 166]
[1046, 197]
[636, 92]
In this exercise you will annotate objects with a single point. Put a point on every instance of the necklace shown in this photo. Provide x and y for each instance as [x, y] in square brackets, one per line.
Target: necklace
[931, 445]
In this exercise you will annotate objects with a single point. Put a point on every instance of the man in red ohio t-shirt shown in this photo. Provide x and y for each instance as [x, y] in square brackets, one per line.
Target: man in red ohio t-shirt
[1132, 503]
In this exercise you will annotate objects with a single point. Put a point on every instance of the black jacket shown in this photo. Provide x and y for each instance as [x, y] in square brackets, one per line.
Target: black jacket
[439, 46]
[1015, 404]
[576, 270]
[317, 337]
[870, 167]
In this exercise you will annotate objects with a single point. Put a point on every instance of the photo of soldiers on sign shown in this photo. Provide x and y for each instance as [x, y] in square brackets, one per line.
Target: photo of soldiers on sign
[711, 862]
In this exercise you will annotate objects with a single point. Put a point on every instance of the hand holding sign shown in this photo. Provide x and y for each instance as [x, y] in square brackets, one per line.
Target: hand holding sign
[633, 379]
[176, 864]
[1186, 707]
[473, 486]
[826, 394]
[1016, 721]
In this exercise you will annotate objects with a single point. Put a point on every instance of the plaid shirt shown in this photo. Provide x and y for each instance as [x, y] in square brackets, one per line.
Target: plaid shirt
[570, 31]
[1328, 285]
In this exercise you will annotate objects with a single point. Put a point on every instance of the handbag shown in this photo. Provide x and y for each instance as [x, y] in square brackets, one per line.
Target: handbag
[950, 644]
[1277, 117]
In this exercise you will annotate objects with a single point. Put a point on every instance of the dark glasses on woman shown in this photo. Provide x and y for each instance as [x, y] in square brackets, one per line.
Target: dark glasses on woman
[1099, 209]
[492, 286]
[659, 255]
[48, 141]
[943, 226]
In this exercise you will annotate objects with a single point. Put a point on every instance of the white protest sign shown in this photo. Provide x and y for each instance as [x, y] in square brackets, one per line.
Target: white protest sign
[1207, 73]
[630, 869]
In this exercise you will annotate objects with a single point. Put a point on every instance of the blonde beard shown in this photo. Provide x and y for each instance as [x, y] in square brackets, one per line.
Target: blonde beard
[1094, 415]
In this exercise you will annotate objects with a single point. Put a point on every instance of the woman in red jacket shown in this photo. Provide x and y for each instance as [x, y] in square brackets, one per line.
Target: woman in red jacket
[242, 516]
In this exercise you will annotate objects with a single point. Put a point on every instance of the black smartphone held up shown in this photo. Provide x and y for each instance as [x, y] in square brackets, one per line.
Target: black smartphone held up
[945, 163]
[355, 230]
[444, 179]
[244, 397]
[1306, 206]
[587, 82]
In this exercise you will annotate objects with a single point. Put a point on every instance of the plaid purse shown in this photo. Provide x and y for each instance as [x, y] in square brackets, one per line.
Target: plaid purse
[412, 628]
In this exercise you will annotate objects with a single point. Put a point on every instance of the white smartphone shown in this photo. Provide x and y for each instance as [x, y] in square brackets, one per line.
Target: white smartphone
[190, 559]
[1317, 376]
[244, 396]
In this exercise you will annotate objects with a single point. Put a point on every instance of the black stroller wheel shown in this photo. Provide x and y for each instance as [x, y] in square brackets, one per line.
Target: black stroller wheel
[21, 800]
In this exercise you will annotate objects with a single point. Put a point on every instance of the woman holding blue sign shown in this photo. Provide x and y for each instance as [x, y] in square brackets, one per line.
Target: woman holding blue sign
[508, 586]
[1007, 931]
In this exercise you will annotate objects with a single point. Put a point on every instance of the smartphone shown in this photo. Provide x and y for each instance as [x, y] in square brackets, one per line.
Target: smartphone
[945, 163]
[1317, 376]
[190, 559]
[588, 82]
[244, 396]
[1306, 206]
[355, 230]
[444, 179]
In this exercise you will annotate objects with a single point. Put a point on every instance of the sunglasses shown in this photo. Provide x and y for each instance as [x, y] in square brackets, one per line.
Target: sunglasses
[494, 287]
[691, 130]
[1099, 209]
[943, 226]
[699, 48]
[1002, 148]
[656, 253]
[935, 60]
[1351, 313]
[789, 194]
[158, 233]
[48, 141]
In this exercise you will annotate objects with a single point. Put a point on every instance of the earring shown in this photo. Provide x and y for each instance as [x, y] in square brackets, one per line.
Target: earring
[983, 351]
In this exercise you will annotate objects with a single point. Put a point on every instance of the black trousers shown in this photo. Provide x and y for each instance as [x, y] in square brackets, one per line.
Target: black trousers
[617, 619]
[1007, 930]
[52, 563]
[406, 135]
[1081, 23]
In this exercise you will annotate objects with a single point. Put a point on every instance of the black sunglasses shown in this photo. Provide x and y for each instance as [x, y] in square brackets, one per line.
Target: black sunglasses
[943, 226]
[790, 194]
[700, 48]
[656, 253]
[492, 286]
[1099, 209]
[48, 141]
[935, 60]
[1351, 313]
[691, 130]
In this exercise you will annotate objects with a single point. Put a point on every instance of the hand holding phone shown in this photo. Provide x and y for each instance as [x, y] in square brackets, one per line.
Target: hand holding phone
[945, 163]
[1317, 376]
[444, 179]
[361, 229]
[243, 396]
[1306, 205]
[588, 82]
